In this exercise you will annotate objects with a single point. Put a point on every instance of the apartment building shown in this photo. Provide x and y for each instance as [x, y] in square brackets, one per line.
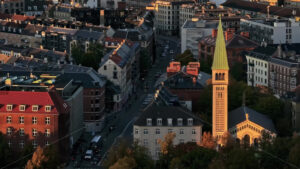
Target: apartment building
[157, 121]
[38, 117]
[167, 16]
[273, 31]
[192, 31]
[258, 66]
[12, 6]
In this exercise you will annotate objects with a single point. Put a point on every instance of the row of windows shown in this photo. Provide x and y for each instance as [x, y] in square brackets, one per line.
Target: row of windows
[9, 107]
[22, 119]
[9, 131]
[22, 143]
[157, 131]
[170, 121]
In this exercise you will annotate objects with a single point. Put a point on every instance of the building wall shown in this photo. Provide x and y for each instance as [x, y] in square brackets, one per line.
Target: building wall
[76, 115]
[94, 108]
[190, 37]
[12, 6]
[150, 140]
[28, 126]
[257, 71]
[280, 32]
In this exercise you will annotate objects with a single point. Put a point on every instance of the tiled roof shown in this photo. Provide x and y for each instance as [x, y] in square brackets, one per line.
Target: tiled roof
[22, 17]
[29, 98]
[239, 115]
[165, 112]
[86, 34]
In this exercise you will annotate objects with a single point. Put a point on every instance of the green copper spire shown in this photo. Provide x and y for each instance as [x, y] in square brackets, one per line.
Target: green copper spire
[220, 55]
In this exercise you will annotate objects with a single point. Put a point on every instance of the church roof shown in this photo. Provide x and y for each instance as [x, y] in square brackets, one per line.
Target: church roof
[239, 115]
[220, 55]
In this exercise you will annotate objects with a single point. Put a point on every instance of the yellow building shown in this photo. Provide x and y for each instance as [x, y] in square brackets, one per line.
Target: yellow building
[247, 125]
[220, 70]
[242, 123]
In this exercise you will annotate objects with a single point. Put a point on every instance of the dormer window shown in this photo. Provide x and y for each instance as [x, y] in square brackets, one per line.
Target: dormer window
[35, 108]
[159, 121]
[190, 121]
[179, 121]
[48, 108]
[9, 107]
[149, 122]
[170, 121]
[22, 107]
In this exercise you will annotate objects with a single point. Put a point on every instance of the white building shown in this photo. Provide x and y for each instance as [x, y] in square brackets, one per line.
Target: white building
[187, 11]
[272, 31]
[167, 16]
[258, 66]
[192, 30]
[157, 121]
[118, 66]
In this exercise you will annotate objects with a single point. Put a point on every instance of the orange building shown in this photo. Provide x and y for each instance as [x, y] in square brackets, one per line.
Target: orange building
[34, 117]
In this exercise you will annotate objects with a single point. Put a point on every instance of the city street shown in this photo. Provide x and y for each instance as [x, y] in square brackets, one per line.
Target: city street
[124, 120]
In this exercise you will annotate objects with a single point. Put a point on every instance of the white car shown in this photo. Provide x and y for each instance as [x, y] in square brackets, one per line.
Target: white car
[88, 154]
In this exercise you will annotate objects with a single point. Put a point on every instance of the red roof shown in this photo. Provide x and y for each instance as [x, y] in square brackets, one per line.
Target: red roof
[29, 98]
[22, 17]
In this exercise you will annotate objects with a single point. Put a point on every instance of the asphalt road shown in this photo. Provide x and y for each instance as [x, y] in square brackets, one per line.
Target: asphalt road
[124, 120]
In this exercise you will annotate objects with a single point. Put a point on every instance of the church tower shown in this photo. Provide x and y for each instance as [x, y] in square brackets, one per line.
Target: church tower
[220, 77]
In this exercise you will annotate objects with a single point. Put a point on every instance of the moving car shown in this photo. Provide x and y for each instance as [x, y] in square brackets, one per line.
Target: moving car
[88, 155]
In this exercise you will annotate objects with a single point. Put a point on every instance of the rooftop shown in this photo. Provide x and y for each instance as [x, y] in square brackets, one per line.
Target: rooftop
[200, 24]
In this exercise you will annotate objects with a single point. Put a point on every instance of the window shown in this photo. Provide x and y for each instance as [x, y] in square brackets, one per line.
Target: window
[157, 131]
[104, 67]
[193, 131]
[181, 141]
[169, 122]
[179, 122]
[21, 144]
[181, 131]
[170, 130]
[115, 75]
[136, 131]
[159, 122]
[9, 107]
[8, 119]
[48, 108]
[35, 108]
[193, 140]
[21, 120]
[22, 108]
[34, 144]
[47, 132]
[149, 122]
[8, 130]
[47, 143]
[145, 131]
[190, 121]
[34, 132]
[9, 143]
[21, 131]
[34, 120]
[47, 120]
[145, 142]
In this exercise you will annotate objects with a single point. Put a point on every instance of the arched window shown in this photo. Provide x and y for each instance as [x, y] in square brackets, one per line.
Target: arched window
[217, 76]
[223, 76]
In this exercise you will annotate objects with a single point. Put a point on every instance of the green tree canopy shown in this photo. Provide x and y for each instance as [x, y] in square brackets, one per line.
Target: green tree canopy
[185, 57]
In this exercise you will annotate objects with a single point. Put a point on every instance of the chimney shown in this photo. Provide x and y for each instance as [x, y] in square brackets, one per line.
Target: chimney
[214, 33]
[229, 35]
[245, 34]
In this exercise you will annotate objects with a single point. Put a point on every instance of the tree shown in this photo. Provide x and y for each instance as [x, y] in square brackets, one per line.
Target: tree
[91, 58]
[37, 159]
[185, 57]
[208, 141]
[238, 72]
[295, 154]
[5, 152]
[167, 144]
[124, 163]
